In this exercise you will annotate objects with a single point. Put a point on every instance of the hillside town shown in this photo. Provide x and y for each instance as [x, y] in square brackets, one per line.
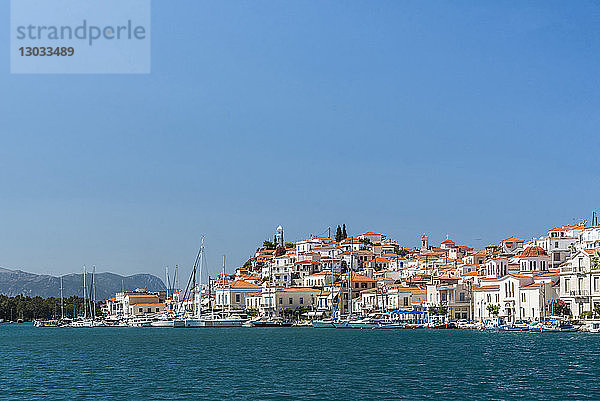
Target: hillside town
[319, 278]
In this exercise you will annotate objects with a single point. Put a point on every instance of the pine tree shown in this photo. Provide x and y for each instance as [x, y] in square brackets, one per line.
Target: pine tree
[338, 234]
[344, 234]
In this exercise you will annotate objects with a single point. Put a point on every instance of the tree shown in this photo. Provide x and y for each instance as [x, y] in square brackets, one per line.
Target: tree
[493, 310]
[402, 252]
[248, 264]
[365, 241]
[597, 310]
[439, 310]
[268, 244]
[338, 234]
[344, 234]
[558, 307]
[290, 245]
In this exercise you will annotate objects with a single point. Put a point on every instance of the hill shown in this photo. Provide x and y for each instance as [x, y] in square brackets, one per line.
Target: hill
[15, 282]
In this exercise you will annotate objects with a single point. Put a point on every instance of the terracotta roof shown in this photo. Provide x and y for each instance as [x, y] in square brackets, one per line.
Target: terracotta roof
[488, 287]
[513, 239]
[244, 285]
[448, 241]
[533, 251]
[300, 289]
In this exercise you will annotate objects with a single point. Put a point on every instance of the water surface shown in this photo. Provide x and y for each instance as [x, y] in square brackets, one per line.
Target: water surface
[294, 363]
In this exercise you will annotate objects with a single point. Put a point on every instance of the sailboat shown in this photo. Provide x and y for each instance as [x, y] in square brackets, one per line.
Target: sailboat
[216, 320]
[83, 322]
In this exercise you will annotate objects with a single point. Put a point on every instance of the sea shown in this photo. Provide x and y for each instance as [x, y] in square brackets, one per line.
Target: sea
[122, 363]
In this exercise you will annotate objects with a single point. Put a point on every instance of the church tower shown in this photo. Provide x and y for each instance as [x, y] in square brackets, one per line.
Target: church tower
[279, 237]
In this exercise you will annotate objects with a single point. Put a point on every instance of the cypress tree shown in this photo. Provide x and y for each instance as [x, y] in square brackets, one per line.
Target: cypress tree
[344, 234]
[338, 234]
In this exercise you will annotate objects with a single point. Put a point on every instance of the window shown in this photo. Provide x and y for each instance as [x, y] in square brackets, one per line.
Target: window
[280, 301]
[238, 298]
[567, 285]
[157, 309]
[301, 301]
[291, 301]
[462, 297]
[596, 282]
[556, 244]
[356, 285]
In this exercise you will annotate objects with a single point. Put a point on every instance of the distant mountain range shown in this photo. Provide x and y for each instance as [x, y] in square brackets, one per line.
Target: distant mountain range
[15, 282]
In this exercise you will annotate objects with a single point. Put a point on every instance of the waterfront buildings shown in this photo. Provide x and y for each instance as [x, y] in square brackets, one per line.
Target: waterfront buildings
[370, 273]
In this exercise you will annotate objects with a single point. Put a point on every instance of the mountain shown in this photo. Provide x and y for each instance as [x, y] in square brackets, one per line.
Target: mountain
[15, 282]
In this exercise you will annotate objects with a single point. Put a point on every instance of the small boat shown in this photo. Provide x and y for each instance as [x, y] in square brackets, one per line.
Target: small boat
[162, 323]
[141, 323]
[519, 325]
[366, 323]
[323, 324]
[449, 325]
[82, 323]
[46, 323]
[553, 326]
[215, 321]
[390, 326]
[270, 323]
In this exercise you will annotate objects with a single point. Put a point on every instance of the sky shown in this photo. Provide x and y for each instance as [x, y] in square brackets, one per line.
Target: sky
[474, 120]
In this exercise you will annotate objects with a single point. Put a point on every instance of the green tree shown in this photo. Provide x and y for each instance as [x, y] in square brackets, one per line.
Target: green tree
[290, 245]
[493, 310]
[595, 262]
[344, 234]
[402, 252]
[268, 244]
[248, 264]
[438, 310]
[338, 234]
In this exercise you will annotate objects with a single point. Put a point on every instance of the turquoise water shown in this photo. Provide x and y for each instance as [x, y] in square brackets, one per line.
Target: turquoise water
[294, 363]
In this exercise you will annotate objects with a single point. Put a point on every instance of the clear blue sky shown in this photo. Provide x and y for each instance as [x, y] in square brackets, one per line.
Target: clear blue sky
[475, 120]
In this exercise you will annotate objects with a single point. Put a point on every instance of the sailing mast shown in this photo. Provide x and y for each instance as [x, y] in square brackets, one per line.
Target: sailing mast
[223, 281]
[93, 308]
[84, 296]
[350, 280]
[167, 282]
[62, 305]
[199, 285]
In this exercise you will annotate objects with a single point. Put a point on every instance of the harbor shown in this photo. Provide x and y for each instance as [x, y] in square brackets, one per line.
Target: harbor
[138, 363]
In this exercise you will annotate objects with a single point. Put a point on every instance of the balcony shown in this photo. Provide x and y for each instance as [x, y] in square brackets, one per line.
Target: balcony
[579, 293]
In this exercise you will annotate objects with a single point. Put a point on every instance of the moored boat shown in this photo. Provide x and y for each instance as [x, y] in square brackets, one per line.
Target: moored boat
[323, 324]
